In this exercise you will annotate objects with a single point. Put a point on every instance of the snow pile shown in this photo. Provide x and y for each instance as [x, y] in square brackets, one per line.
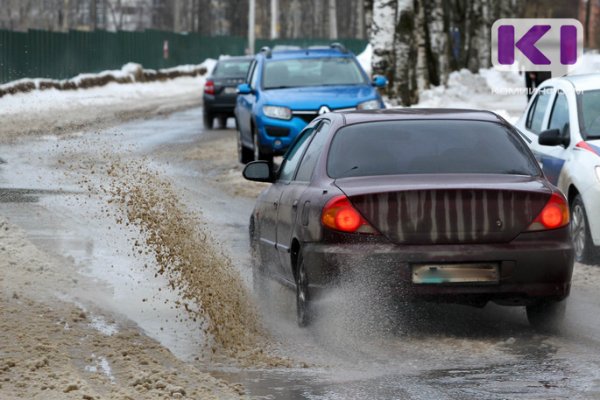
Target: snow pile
[589, 63]
[110, 94]
[364, 59]
[500, 92]
[129, 73]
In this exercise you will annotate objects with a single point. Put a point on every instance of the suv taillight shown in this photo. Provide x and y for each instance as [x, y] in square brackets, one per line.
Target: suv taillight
[209, 87]
[555, 214]
[340, 214]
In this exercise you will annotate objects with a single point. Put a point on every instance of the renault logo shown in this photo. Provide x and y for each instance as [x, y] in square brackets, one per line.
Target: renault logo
[324, 110]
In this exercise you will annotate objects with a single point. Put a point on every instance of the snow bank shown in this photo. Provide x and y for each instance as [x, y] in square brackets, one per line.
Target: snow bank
[589, 63]
[500, 92]
[56, 100]
[129, 73]
[365, 58]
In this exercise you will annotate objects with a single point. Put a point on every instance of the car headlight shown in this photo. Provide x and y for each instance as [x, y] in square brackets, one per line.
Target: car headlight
[277, 112]
[369, 105]
[598, 172]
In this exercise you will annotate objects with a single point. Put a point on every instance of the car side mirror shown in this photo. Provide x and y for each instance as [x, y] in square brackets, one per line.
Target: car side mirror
[259, 171]
[244, 88]
[552, 137]
[380, 81]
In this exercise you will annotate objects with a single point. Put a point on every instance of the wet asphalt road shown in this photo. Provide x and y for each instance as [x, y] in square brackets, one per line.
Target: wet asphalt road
[443, 352]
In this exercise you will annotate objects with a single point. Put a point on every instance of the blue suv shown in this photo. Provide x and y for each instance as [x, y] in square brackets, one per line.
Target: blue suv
[287, 89]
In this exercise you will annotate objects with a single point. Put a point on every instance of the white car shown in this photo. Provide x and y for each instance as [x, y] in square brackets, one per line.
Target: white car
[562, 125]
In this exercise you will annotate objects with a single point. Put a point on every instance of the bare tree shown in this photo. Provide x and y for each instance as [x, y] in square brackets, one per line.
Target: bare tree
[382, 37]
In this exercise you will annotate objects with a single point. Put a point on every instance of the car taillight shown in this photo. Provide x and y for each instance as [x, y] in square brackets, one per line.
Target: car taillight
[340, 214]
[209, 87]
[555, 214]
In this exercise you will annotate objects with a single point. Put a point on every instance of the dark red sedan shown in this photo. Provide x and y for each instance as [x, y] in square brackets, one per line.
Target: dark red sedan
[444, 205]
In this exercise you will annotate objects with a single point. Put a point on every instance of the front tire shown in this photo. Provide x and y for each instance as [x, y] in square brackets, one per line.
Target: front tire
[304, 313]
[258, 153]
[580, 232]
[245, 155]
[546, 315]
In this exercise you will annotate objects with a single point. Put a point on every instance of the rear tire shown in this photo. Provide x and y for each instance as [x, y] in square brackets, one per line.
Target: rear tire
[222, 122]
[546, 315]
[245, 155]
[258, 153]
[585, 251]
[208, 118]
[304, 312]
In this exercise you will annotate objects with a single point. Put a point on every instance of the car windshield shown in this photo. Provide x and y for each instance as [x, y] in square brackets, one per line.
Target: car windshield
[312, 72]
[590, 113]
[231, 69]
[428, 147]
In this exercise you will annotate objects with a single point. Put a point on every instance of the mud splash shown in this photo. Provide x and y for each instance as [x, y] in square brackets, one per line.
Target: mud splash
[209, 288]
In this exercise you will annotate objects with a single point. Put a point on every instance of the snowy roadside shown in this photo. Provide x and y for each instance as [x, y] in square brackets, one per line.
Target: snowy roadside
[55, 349]
[500, 92]
[53, 111]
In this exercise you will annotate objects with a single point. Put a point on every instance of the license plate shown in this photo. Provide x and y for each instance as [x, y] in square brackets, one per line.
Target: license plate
[455, 273]
[230, 90]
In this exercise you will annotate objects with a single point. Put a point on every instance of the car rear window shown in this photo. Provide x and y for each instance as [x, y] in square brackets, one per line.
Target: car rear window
[231, 69]
[428, 147]
[590, 113]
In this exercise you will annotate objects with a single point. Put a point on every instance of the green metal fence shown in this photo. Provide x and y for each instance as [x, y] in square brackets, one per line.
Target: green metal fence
[61, 55]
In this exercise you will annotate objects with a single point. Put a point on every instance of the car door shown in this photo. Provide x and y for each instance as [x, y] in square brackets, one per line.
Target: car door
[245, 105]
[266, 217]
[294, 203]
[553, 158]
[290, 189]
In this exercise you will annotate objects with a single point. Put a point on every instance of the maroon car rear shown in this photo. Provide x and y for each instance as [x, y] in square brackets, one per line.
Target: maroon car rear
[441, 205]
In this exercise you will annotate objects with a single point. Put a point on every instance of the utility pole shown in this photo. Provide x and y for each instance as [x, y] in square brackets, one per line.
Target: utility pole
[176, 15]
[93, 15]
[251, 25]
[332, 20]
[66, 15]
[274, 19]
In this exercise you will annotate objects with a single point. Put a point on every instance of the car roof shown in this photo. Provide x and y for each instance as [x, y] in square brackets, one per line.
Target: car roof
[580, 82]
[357, 116]
[306, 53]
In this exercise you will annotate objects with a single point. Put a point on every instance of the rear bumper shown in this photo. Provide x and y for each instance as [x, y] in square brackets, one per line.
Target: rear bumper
[528, 270]
[219, 103]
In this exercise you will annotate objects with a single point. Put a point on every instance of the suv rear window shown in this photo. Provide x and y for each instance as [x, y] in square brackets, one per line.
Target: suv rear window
[231, 69]
[428, 147]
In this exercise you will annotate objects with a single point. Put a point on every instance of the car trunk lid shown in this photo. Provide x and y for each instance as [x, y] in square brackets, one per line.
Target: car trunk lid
[450, 209]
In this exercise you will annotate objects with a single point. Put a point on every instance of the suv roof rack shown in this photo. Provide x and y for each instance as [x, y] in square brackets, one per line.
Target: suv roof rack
[267, 51]
[339, 46]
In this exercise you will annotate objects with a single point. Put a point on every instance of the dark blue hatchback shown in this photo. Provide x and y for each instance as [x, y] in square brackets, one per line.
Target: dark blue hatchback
[285, 90]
